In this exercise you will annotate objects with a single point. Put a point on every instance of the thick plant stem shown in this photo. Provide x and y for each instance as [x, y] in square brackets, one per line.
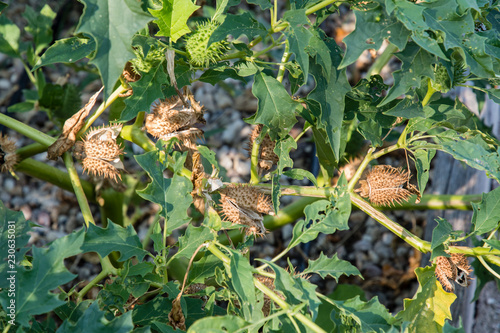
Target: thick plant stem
[254, 160]
[419, 244]
[430, 92]
[53, 175]
[78, 189]
[284, 59]
[26, 130]
[382, 60]
[31, 150]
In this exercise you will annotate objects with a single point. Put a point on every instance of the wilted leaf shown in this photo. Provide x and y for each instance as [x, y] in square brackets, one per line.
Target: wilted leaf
[70, 129]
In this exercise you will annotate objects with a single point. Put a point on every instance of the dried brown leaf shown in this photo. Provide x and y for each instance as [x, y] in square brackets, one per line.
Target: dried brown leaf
[70, 129]
[176, 317]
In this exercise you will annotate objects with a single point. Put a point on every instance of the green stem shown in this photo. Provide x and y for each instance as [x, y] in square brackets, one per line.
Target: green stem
[120, 90]
[284, 59]
[359, 172]
[102, 275]
[78, 189]
[31, 150]
[26, 130]
[419, 244]
[430, 92]
[52, 175]
[254, 160]
[319, 6]
[7, 328]
[382, 60]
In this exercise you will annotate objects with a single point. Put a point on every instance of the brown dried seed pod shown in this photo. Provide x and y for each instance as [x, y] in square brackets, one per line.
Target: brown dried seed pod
[249, 197]
[267, 157]
[99, 152]
[456, 268]
[8, 156]
[385, 185]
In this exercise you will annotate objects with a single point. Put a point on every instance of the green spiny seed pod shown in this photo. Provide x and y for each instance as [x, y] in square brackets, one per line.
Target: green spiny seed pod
[196, 45]
[442, 81]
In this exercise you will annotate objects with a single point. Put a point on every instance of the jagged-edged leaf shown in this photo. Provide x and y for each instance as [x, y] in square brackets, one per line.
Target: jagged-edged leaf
[237, 25]
[172, 194]
[441, 233]
[329, 94]
[40, 26]
[114, 238]
[155, 310]
[417, 63]
[193, 237]
[298, 38]
[276, 108]
[447, 328]
[407, 108]
[172, 18]
[372, 27]
[33, 295]
[14, 237]
[67, 50]
[324, 216]
[61, 102]
[209, 155]
[71, 311]
[100, 20]
[473, 150]
[204, 268]
[486, 214]
[494, 243]
[300, 174]
[242, 281]
[3, 5]
[296, 289]
[146, 91]
[94, 320]
[282, 150]
[219, 324]
[355, 315]
[428, 310]
[333, 267]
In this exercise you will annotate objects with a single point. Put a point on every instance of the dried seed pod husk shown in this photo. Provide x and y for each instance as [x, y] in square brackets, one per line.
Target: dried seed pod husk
[456, 268]
[267, 157]
[130, 74]
[8, 156]
[99, 152]
[245, 205]
[175, 316]
[385, 185]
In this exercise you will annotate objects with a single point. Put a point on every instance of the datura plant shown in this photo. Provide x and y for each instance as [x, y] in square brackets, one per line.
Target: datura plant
[147, 55]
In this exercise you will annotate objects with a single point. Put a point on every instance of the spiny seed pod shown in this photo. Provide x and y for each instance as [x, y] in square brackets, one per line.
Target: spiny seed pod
[8, 156]
[129, 73]
[196, 45]
[456, 268]
[268, 282]
[267, 157]
[385, 185]
[245, 205]
[99, 152]
[170, 118]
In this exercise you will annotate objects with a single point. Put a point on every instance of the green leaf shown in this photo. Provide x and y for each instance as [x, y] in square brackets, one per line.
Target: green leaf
[329, 94]
[416, 63]
[61, 102]
[209, 155]
[447, 328]
[172, 18]
[40, 26]
[215, 75]
[3, 5]
[407, 108]
[242, 281]
[204, 268]
[300, 174]
[428, 310]
[264, 4]
[194, 237]
[146, 91]
[325, 216]
[441, 233]
[333, 267]
[33, 295]
[114, 238]
[296, 289]
[354, 315]
[9, 37]
[154, 310]
[473, 150]
[237, 25]
[494, 243]
[372, 27]
[282, 150]
[13, 239]
[276, 108]
[298, 38]
[486, 214]
[103, 20]
[172, 194]
[218, 324]
[66, 50]
[94, 320]
[422, 160]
